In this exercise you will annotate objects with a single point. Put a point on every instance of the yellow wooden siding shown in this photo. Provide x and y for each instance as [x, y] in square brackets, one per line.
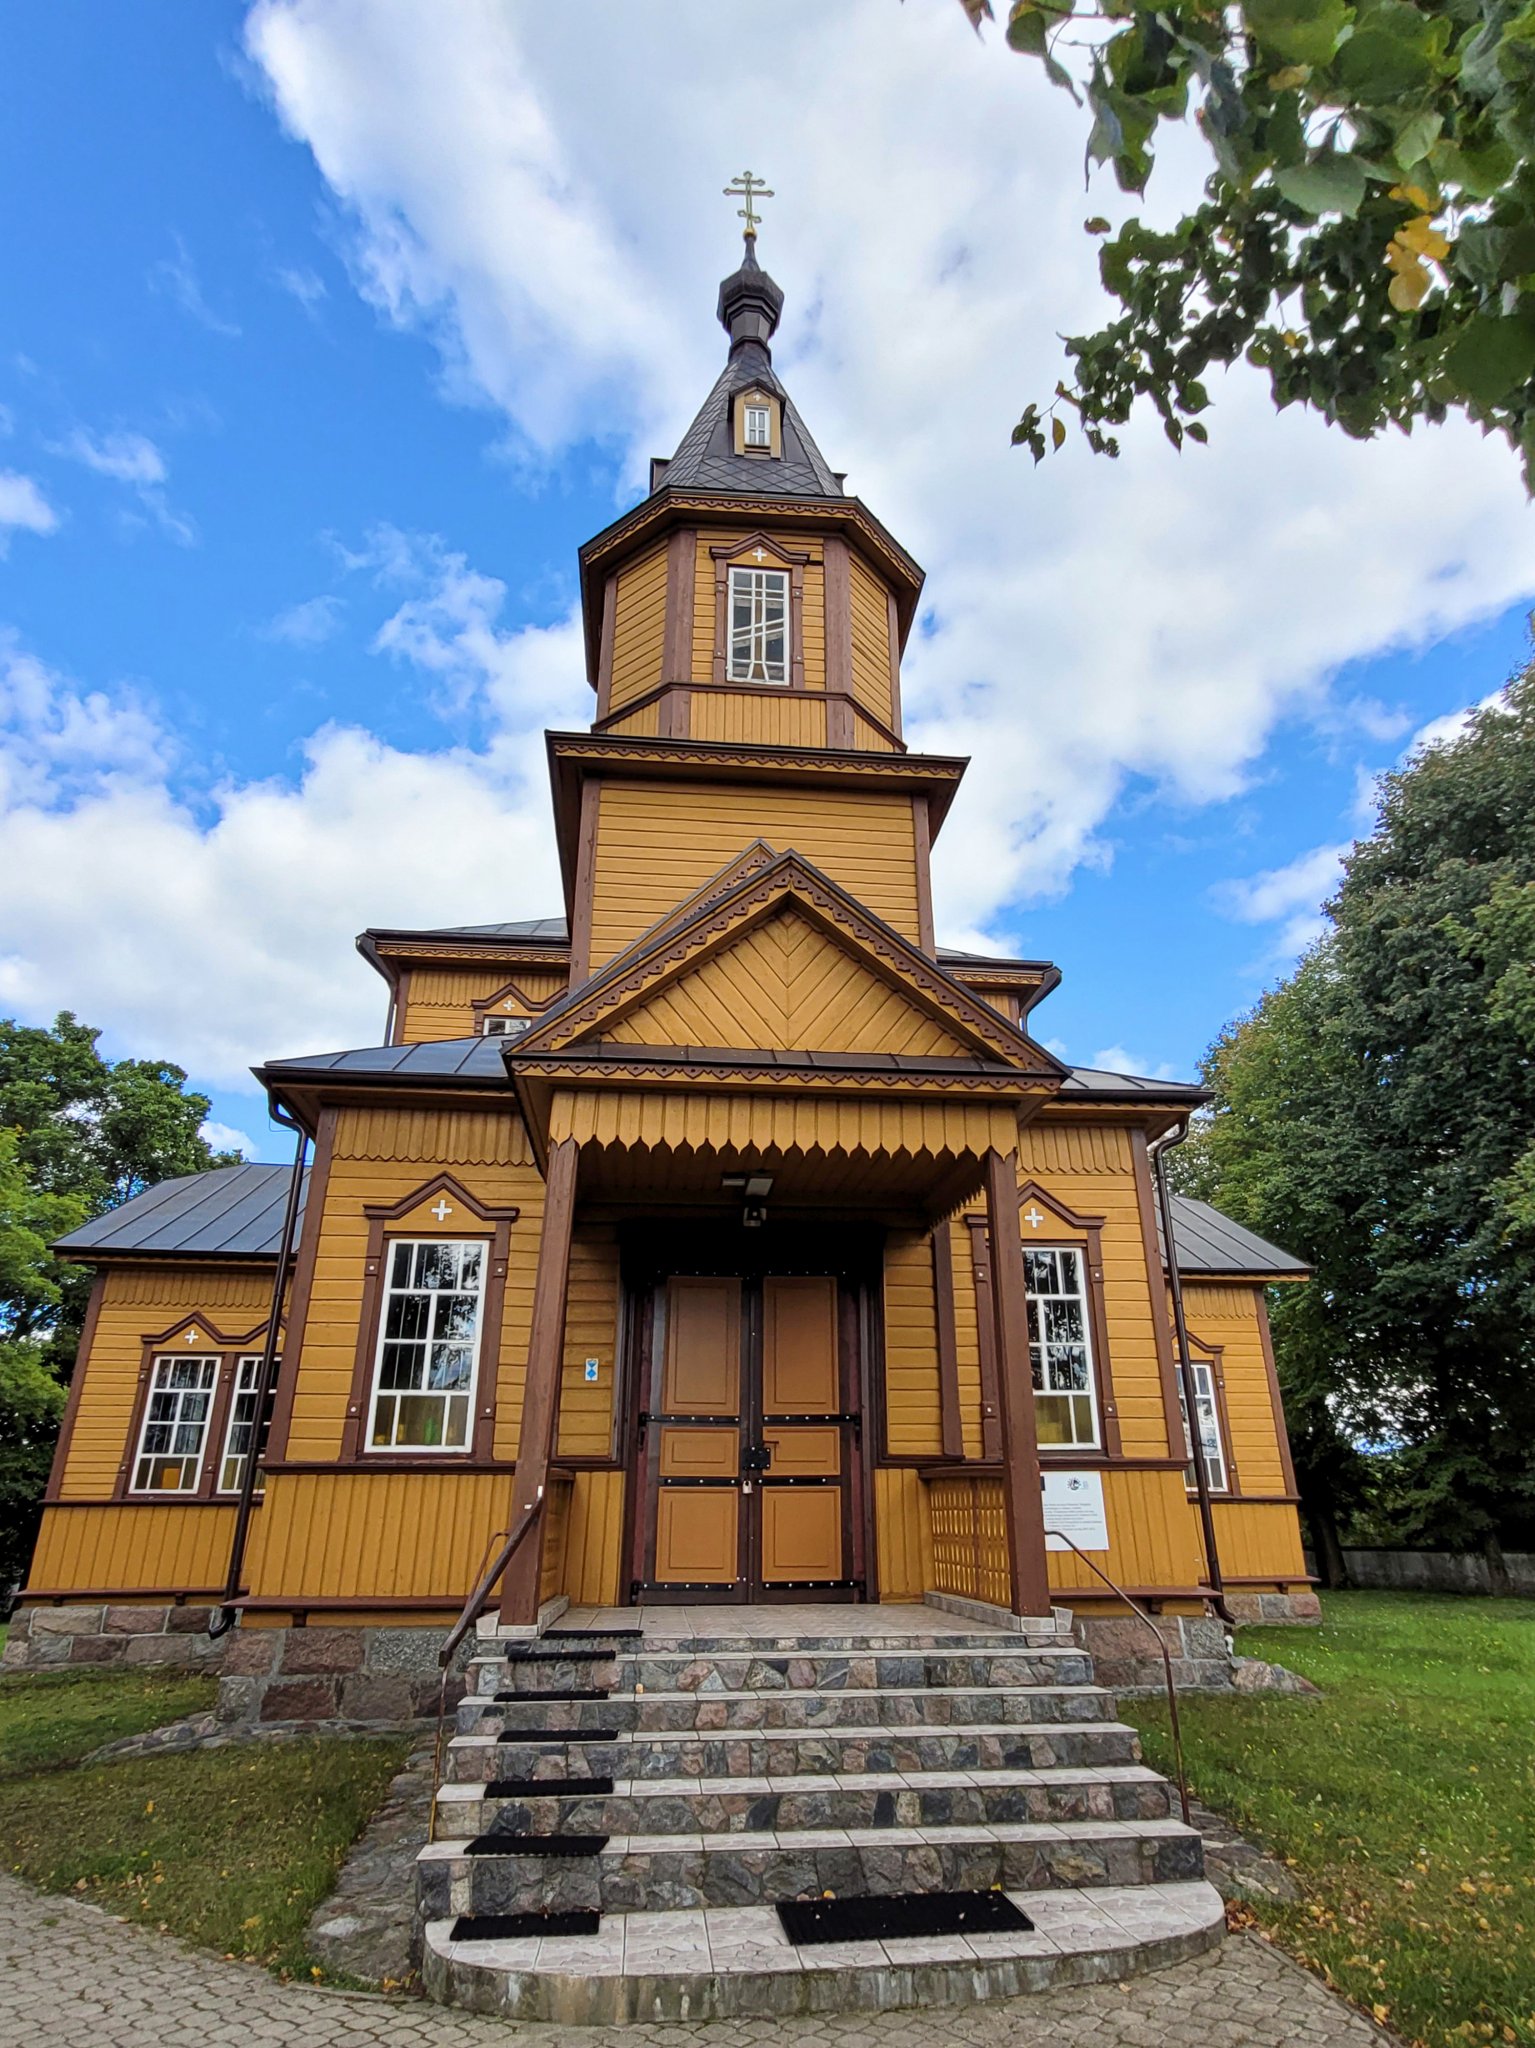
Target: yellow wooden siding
[639, 624]
[871, 642]
[967, 1345]
[594, 1539]
[785, 982]
[1153, 1537]
[555, 1530]
[792, 720]
[376, 1535]
[1259, 1540]
[380, 1156]
[440, 1004]
[148, 1546]
[1090, 1168]
[658, 842]
[642, 723]
[813, 603]
[591, 1331]
[903, 1553]
[913, 1404]
[137, 1303]
[1228, 1317]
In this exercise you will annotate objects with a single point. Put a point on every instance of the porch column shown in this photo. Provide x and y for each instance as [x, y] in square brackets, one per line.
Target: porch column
[541, 1388]
[1015, 1390]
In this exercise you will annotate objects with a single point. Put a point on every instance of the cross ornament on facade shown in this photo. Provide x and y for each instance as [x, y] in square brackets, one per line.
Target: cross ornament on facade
[191, 1336]
[1033, 1216]
[746, 186]
[442, 1209]
[760, 553]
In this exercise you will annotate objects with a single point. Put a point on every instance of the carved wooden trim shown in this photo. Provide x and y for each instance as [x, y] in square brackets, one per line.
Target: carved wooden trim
[726, 558]
[229, 1349]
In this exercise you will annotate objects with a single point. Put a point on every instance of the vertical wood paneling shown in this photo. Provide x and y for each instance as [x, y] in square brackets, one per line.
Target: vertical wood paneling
[376, 1535]
[153, 1546]
[902, 1545]
[791, 720]
[594, 1538]
[1229, 1317]
[913, 1400]
[1153, 1536]
[1259, 1540]
[440, 1004]
[871, 641]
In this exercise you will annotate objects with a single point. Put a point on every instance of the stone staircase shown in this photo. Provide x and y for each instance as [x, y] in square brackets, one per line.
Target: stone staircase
[680, 1787]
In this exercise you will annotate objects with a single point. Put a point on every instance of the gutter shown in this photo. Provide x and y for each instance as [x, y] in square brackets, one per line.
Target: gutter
[1186, 1374]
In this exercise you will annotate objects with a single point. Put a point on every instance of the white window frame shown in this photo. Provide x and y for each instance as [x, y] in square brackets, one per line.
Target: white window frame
[175, 1421]
[1212, 1441]
[493, 1026]
[244, 1386]
[390, 1289]
[757, 414]
[1041, 1344]
[750, 663]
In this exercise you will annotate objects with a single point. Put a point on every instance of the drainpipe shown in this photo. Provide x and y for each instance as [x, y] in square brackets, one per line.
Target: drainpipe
[224, 1616]
[1186, 1375]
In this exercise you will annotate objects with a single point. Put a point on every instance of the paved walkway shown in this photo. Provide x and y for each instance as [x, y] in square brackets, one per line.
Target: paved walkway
[69, 1972]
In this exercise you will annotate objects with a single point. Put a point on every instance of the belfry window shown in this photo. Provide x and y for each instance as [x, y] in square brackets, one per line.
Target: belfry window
[175, 1432]
[759, 626]
[504, 1027]
[1060, 1353]
[758, 426]
[1209, 1427]
[428, 1345]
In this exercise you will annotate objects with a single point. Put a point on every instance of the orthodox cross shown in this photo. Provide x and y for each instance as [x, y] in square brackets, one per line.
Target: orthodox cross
[1032, 1217]
[745, 186]
[442, 1210]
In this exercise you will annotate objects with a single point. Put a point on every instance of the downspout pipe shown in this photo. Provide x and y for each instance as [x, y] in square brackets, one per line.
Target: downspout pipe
[1186, 1374]
[224, 1616]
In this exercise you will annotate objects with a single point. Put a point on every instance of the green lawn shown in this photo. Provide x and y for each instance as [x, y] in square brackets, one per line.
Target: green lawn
[232, 1848]
[1404, 1801]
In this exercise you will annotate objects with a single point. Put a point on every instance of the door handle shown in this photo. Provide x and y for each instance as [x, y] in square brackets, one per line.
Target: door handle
[756, 1457]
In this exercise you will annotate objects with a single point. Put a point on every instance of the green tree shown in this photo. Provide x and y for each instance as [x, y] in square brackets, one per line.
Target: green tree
[1375, 1112]
[78, 1135]
[1367, 234]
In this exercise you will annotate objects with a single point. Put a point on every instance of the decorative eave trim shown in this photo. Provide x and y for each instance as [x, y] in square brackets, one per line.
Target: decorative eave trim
[470, 953]
[572, 1070]
[217, 1339]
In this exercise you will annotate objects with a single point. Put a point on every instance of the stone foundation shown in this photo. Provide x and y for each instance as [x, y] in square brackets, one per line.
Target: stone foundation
[338, 1677]
[1276, 1609]
[1126, 1660]
[43, 1638]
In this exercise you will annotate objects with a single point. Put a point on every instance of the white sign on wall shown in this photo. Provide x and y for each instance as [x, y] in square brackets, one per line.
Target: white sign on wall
[1074, 1506]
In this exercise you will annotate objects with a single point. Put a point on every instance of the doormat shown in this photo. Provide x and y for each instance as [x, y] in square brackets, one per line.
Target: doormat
[548, 1788]
[901, 1917]
[565, 1735]
[508, 1699]
[536, 1845]
[520, 1926]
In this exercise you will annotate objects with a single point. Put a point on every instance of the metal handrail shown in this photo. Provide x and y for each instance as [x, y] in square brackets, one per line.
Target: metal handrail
[484, 1586]
[1167, 1663]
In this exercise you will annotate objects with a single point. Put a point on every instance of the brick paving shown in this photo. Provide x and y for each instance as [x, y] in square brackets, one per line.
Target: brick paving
[70, 1972]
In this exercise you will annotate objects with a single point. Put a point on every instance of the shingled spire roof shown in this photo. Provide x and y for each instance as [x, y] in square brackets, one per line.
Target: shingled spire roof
[749, 306]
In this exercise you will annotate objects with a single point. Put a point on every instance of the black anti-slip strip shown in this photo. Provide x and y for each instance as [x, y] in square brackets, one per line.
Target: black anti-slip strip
[538, 1655]
[547, 1788]
[519, 1926]
[903, 1916]
[536, 1845]
[591, 1635]
[504, 1699]
[558, 1735]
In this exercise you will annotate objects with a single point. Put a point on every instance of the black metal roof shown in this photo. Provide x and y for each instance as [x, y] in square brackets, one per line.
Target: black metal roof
[235, 1212]
[706, 457]
[1097, 1081]
[438, 1059]
[542, 931]
[229, 1212]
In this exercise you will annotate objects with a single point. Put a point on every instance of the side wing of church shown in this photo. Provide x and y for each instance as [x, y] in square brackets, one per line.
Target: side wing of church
[726, 1224]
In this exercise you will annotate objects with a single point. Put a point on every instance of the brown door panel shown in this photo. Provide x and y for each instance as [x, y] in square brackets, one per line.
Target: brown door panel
[804, 1452]
[702, 1369]
[801, 1533]
[696, 1535]
[799, 1345]
[697, 1451]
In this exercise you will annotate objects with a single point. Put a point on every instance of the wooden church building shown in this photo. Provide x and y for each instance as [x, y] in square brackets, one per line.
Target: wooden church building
[728, 1230]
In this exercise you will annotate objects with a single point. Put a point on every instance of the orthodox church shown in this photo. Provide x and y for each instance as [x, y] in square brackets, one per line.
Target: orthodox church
[721, 1246]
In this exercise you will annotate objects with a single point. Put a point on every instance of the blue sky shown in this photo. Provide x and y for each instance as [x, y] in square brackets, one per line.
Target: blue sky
[333, 328]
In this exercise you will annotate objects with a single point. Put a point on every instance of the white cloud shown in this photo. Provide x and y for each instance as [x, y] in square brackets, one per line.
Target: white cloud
[301, 283]
[1114, 1059]
[1443, 732]
[23, 508]
[134, 460]
[1290, 897]
[225, 1138]
[177, 277]
[309, 624]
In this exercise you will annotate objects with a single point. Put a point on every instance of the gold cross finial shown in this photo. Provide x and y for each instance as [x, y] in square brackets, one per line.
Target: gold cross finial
[746, 186]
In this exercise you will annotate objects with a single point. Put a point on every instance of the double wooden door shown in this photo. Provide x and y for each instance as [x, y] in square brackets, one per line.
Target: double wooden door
[749, 1450]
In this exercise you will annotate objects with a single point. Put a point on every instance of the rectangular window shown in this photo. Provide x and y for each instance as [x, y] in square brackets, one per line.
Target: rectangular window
[241, 1426]
[428, 1345]
[1060, 1354]
[175, 1432]
[759, 427]
[759, 626]
[1209, 1426]
[504, 1027]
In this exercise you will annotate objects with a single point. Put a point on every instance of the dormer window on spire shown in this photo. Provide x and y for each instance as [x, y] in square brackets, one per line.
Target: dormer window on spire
[757, 423]
[759, 427]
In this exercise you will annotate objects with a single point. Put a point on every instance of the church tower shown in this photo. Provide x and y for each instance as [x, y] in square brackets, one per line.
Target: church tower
[744, 630]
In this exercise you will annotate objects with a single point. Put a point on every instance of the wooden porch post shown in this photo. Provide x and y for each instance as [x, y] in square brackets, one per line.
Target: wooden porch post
[1015, 1398]
[541, 1388]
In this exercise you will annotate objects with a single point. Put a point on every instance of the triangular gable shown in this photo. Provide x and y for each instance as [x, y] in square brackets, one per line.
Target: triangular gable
[786, 961]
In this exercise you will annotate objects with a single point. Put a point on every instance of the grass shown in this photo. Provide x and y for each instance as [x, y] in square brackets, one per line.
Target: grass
[50, 1718]
[1404, 1801]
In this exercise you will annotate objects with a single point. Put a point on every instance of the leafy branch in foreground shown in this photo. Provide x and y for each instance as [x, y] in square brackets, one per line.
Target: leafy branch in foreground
[1367, 236]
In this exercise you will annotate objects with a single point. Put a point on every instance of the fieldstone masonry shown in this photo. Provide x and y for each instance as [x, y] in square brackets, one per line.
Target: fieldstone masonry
[348, 1677]
[42, 1638]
